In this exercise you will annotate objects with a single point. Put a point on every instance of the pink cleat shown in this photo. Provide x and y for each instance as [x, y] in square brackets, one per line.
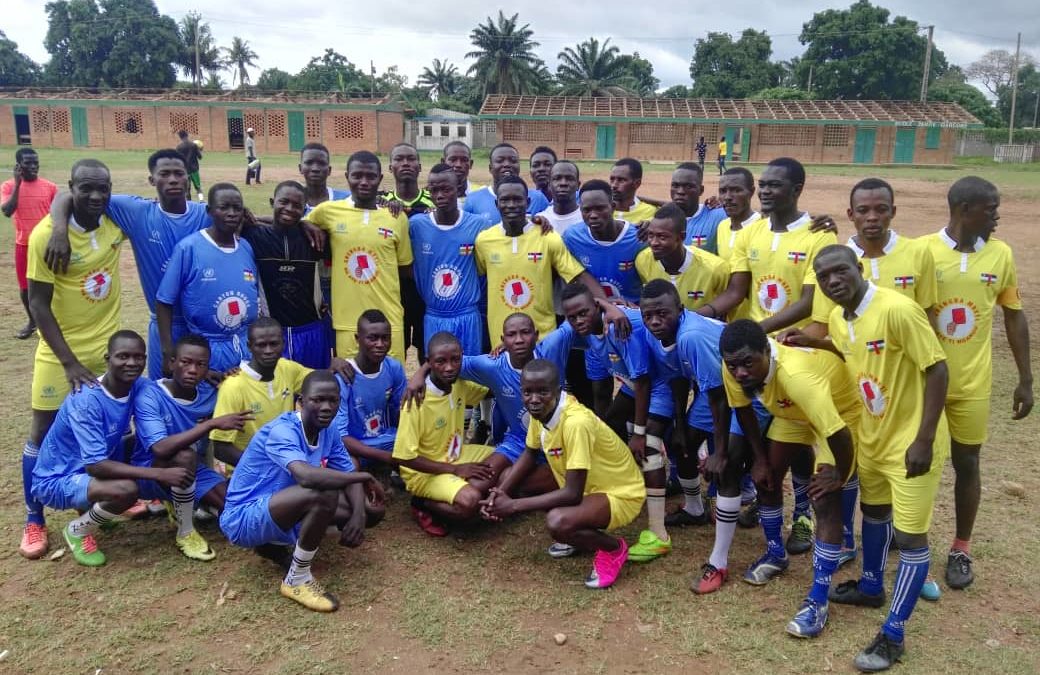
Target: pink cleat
[606, 566]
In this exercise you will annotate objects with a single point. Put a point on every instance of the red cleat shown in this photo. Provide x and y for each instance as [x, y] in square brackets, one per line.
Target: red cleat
[427, 523]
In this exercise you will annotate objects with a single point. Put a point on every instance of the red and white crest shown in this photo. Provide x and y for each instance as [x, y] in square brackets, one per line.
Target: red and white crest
[361, 266]
[97, 285]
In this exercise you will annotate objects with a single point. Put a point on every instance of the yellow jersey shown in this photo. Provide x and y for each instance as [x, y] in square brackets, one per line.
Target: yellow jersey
[368, 247]
[266, 400]
[520, 274]
[969, 285]
[887, 347]
[906, 266]
[726, 239]
[640, 212]
[780, 264]
[575, 439]
[86, 300]
[701, 278]
[434, 430]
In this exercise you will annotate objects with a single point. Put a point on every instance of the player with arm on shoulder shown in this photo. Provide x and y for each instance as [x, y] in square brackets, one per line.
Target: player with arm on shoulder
[626, 177]
[702, 221]
[504, 161]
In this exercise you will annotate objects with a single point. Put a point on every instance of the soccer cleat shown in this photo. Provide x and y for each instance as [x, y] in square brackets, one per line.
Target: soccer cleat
[748, 517]
[157, 507]
[396, 481]
[809, 621]
[137, 511]
[427, 524]
[930, 591]
[846, 556]
[958, 570]
[479, 433]
[764, 569]
[649, 547]
[801, 538]
[848, 593]
[881, 654]
[710, 581]
[34, 541]
[558, 550]
[606, 566]
[193, 546]
[26, 332]
[84, 549]
[683, 518]
[312, 596]
[204, 515]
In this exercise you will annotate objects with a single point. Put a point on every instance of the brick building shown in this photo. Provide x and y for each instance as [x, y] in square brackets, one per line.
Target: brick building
[818, 132]
[142, 120]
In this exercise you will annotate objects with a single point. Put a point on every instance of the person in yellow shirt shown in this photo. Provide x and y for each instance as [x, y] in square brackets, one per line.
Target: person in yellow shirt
[600, 487]
[76, 309]
[371, 249]
[266, 387]
[723, 150]
[736, 188]
[698, 275]
[446, 477]
[975, 273]
[889, 346]
[625, 180]
[813, 400]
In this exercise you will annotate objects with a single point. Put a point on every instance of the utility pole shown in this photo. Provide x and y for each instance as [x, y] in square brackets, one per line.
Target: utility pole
[927, 65]
[1014, 92]
[372, 92]
[1036, 107]
[810, 80]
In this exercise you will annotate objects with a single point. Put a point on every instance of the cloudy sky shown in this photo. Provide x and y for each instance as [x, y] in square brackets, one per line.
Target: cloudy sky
[411, 34]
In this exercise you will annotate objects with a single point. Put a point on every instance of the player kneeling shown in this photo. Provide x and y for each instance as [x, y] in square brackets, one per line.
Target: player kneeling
[281, 494]
[600, 486]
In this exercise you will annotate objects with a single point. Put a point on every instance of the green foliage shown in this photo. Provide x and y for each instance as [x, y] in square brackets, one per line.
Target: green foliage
[1025, 106]
[953, 88]
[726, 68]
[239, 57]
[209, 59]
[781, 94]
[676, 91]
[642, 71]
[16, 69]
[274, 79]
[1020, 136]
[330, 72]
[505, 58]
[592, 69]
[441, 80]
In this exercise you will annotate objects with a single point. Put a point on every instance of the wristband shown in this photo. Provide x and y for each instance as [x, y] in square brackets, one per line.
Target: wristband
[714, 312]
[639, 430]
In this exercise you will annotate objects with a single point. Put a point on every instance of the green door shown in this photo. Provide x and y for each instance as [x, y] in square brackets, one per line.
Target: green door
[80, 138]
[745, 145]
[864, 153]
[731, 139]
[296, 133]
[606, 134]
[906, 137]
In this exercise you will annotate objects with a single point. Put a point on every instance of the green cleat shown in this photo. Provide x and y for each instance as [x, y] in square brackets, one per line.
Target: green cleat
[650, 547]
[801, 538]
[84, 549]
[193, 546]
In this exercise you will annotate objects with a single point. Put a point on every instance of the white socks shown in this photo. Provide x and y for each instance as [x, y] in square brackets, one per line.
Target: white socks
[691, 489]
[183, 507]
[726, 511]
[89, 522]
[300, 569]
[655, 498]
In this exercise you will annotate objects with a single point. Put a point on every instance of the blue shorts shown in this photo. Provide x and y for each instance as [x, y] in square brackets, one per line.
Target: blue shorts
[179, 329]
[205, 480]
[228, 353]
[250, 525]
[511, 447]
[661, 401]
[467, 327]
[764, 419]
[699, 416]
[308, 345]
[63, 492]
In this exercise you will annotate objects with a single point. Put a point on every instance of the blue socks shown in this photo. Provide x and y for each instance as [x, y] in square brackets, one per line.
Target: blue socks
[825, 562]
[801, 495]
[910, 577]
[849, 498]
[877, 537]
[772, 518]
[33, 508]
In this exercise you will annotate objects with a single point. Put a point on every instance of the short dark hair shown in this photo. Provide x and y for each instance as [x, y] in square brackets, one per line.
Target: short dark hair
[183, 134]
[635, 167]
[542, 366]
[672, 212]
[22, 153]
[441, 167]
[165, 153]
[519, 315]
[794, 168]
[316, 146]
[546, 150]
[749, 178]
[503, 145]
[90, 163]
[577, 171]
[574, 289]
[364, 157]
[402, 144]
[692, 166]
[191, 340]
[511, 180]
[837, 249]
[655, 288]
[596, 185]
[316, 377]
[970, 190]
[872, 184]
[442, 338]
[295, 185]
[743, 333]
[211, 195]
[124, 334]
[461, 144]
[261, 323]
[372, 316]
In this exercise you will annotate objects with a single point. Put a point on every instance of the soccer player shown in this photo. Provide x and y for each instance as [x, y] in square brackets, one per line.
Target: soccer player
[370, 405]
[446, 477]
[643, 401]
[192, 154]
[698, 275]
[975, 273]
[316, 167]
[26, 198]
[82, 460]
[723, 148]
[75, 309]
[889, 346]
[266, 385]
[212, 278]
[505, 162]
[252, 161]
[371, 250]
[564, 212]
[599, 483]
[625, 179]
[813, 400]
[457, 155]
[702, 151]
[542, 160]
[443, 246]
[175, 416]
[295, 480]
[406, 168]
[736, 188]
[702, 221]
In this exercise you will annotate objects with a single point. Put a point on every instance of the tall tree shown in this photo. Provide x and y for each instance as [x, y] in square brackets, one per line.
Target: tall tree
[995, 68]
[331, 72]
[676, 91]
[505, 58]
[16, 69]
[190, 29]
[726, 68]
[442, 79]
[952, 87]
[642, 71]
[593, 69]
[239, 57]
[274, 79]
[857, 53]
[1028, 96]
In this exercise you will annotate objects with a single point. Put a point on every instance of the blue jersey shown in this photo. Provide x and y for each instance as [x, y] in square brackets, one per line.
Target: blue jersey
[216, 289]
[264, 467]
[154, 233]
[697, 350]
[157, 415]
[88, 429]
[613, 263]
[607, 355]
[484, 203]
[334, 195]
[369, 407]
[701, 228]
[445, 265]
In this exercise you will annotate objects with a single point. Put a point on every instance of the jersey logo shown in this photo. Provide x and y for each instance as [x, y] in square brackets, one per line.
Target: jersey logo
[875, 346]
[773, 293]
[361, 266]
[248, 276]
[699, 240]
[373, 424]
[466, 249]
[694, 295]
[440, 423]
[554, 452]
[610, 289]
[208, 274]
[385, 232]
[534, 256]
[232, 310]
[797, 256]
[626, 265]
[957, 320]
[97, 285]
[785, 403]
[873, 395]
[454, 447]
[904, 282]
[341, 227]
[446, 282]
[516, 292]
[988, 279]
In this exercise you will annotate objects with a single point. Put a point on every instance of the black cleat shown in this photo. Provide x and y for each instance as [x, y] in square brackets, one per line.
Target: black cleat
[881, 654]
[848, 593]
[958, 570]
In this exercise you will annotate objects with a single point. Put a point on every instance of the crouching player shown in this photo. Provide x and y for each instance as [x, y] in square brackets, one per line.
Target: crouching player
[281, 494]
[600, 486]
[81, 461]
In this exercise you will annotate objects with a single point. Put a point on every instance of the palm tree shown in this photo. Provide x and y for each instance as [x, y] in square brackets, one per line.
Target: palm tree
[238, 57]
[442, 79]
[594, 70]
[505, 60]
[191, 25]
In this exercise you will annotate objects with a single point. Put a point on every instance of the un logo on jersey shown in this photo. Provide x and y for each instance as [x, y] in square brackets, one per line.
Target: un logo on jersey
[446, 281]
[232, 310]
[97, 285]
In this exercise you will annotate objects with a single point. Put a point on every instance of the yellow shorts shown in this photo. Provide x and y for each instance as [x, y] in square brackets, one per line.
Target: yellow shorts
[49, 386]
[912, 499]
[969, 420]
[346, 344]
[442, 487]
[623, 511]
[793, 431]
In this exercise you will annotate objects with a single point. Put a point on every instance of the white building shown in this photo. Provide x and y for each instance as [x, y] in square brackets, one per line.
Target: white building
[438, 127]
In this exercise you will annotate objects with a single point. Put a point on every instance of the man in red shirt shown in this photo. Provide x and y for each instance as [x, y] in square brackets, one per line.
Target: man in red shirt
[26, 198]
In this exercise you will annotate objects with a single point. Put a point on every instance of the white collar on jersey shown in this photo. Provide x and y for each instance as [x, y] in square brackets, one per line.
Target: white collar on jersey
[434, 389]
[121, 399]
[889, 246]
[74, 225]
[444, 228]
[865, 302]
[527, 228]
[700, 207]
[802, 221]
[299, 417]
[952, 243]
[558, 413]
[687, 261]
[370, 376]
[166, 390]
[755, 215]
[621, 234]
[248, 370]
[224, 249]
[774, 352]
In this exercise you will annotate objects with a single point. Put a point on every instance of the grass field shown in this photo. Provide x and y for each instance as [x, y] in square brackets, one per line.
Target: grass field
[491, 599]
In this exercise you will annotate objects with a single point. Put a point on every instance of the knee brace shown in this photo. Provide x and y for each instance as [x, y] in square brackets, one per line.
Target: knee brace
[654, 461]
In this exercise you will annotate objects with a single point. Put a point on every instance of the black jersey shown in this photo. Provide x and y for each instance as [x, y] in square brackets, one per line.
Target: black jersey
[288, 267]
